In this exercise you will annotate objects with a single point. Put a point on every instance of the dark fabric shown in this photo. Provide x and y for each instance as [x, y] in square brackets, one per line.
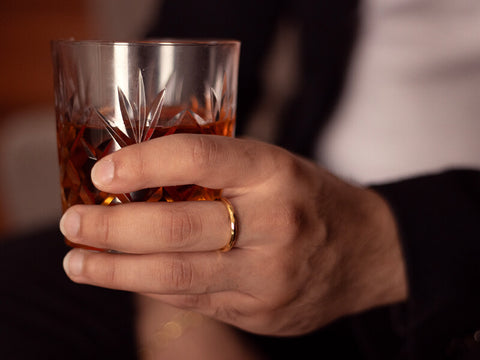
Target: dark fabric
[439, 222]
[371, 335]
[251, 22]
[327, 31]
[43, 315]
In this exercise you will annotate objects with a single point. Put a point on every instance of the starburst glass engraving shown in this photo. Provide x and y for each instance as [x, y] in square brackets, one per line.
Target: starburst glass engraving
[111, 95]
[86, 137]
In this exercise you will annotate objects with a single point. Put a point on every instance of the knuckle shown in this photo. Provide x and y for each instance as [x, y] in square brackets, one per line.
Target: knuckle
[104, 230]
[204, 152]
[179, 274]
[265, 159]
[181, 229]
[292, 168]
[143, 164]
[111, 272]
[133, 163]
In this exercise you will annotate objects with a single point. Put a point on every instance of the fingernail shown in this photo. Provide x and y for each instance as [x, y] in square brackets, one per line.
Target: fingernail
[103, 171]
[70, 224]
[73, 262]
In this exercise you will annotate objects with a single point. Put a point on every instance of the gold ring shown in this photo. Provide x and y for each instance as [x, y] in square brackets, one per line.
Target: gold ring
[233, 226]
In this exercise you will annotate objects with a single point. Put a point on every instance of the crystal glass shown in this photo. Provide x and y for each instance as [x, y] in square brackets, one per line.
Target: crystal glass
[109, 95]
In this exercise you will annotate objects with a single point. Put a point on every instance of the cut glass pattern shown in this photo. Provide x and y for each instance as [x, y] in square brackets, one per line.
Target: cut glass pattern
[138, 122]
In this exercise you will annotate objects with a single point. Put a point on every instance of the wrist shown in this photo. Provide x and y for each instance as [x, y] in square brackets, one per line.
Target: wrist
[373, 264]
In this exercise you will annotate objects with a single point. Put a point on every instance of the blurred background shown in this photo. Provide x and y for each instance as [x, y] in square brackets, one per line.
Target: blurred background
[29, 187]
[410, 106]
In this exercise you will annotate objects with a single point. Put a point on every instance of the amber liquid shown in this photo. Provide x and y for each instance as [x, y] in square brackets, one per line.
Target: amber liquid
[80, 146]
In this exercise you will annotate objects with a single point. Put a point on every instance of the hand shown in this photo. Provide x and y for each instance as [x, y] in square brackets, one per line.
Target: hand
[311, 248]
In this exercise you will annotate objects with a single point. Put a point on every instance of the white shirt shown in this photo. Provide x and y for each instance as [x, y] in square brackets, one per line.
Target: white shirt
[412, 100]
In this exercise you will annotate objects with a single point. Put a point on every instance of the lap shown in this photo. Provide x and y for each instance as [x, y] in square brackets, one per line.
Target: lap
[45, 315]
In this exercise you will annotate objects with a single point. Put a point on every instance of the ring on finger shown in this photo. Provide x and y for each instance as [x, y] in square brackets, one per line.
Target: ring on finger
[233, 226]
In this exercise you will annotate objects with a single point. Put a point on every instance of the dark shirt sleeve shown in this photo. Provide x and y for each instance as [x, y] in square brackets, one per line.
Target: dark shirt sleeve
[439, 222]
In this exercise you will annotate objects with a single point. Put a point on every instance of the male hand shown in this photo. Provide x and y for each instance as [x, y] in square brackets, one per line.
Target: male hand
[311, 248]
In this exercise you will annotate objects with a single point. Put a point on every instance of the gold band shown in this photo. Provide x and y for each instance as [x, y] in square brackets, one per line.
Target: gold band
[233, 226]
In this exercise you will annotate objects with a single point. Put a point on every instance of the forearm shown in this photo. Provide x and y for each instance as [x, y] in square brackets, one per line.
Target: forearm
[374, 261]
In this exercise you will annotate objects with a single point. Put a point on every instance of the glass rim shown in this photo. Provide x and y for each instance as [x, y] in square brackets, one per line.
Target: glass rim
[148, 42]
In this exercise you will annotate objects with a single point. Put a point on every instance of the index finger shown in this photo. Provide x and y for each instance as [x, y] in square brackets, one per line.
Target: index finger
[211, 161]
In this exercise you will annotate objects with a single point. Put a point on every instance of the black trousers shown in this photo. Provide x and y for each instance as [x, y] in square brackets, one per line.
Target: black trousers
[43, 315]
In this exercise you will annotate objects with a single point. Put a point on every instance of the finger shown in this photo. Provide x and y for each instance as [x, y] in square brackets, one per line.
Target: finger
[211, 161]
[142, 228]
[166, 273]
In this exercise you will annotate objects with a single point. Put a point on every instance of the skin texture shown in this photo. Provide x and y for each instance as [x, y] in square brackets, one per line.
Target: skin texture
[311, 248]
